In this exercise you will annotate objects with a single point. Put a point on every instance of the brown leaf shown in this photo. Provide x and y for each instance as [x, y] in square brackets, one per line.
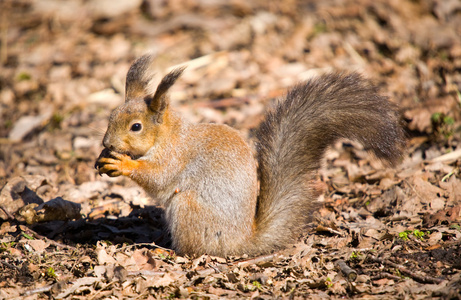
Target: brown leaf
[55, 209]
[77, 284]
[164, 280]
[425, 190]
[20, 191]
[446, 216]
[103, 257]
[144, 259]
[38, 245]
[453, 189]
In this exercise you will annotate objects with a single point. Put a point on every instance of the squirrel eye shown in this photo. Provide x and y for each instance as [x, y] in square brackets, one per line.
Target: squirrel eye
[136, 127]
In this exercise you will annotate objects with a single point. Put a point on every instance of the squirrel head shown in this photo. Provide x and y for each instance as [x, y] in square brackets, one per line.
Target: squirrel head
[134, 126]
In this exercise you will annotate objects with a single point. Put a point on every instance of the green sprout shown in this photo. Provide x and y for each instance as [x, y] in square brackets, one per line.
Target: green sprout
[455, 226]
[328, 282]
[29, 237]
[23, 76]
[257, 284]
[404, 235]
[419, 234]
[442, 124]
[416, 233]
[356, 255]
[51, 273]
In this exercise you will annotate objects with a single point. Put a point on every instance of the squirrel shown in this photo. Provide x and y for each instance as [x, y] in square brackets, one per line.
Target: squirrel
[206, 176]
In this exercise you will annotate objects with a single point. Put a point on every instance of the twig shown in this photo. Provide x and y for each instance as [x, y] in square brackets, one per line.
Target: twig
[4, 35]
[413, 188]
[354, 54]
[351, 274]
[321, 228]
[449, 156]
[419, 278]
[10, 265]
[39, 236]
[208, 271]
[256, 260]
[145, 273]
[450, 174]
[385, 275]
[214, 268]
[7, 213]
[38, 290]
[201, 61]
[102, 289]
[145, 244]
[242, 264]
[223, 103]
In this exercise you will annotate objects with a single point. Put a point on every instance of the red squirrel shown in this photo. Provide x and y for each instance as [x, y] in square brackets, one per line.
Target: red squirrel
[206, 175]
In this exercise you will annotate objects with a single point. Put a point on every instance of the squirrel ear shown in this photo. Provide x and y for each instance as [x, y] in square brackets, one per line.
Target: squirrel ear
[138, 77]
[158, 103]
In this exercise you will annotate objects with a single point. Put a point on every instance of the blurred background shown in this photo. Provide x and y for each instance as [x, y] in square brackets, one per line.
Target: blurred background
[63, 65]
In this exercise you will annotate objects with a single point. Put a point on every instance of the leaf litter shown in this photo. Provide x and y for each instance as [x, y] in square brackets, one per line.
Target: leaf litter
[66, 233]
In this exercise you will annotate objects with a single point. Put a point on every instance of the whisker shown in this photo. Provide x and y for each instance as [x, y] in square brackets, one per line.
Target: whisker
[97, 131]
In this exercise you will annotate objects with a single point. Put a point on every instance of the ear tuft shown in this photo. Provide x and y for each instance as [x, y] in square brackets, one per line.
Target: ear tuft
[138, 77]
[159, 101]
[167, 82]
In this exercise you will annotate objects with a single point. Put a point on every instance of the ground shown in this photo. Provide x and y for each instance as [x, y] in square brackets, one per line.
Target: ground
[67, 233]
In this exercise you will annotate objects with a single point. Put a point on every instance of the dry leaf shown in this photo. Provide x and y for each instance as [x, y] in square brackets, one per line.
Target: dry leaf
[53, 210]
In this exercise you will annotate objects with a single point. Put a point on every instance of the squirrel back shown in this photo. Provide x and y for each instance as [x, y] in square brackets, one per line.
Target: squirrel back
[205, 175]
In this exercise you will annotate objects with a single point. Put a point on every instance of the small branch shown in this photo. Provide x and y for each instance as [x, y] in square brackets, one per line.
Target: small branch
[146, 244]
[4, 35]
[224, 103]
[39, 236]
[256, 260]
[242, 264]
[105, 288]
[145, 273]
[449, 156]
[321, 228]
[417, 277]
[9, 265]
[38, 290]
[7, 213]
[214, 268]
[386, 275]
[351, 274]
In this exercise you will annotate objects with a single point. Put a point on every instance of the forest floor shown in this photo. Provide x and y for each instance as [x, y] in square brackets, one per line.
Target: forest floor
[382, 232]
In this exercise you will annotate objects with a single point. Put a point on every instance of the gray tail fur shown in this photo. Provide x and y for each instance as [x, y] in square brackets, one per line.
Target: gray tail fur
[294, 136]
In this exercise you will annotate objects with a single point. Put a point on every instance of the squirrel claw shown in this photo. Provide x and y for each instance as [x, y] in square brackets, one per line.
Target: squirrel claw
[104, 154]
[114, 164]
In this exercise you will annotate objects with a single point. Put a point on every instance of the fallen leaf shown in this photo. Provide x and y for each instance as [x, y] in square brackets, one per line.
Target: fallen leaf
[38, 245]
[446, 216]
[103, 257]
[77, 284]
[26, 125]
[144, 259]
[53, 210]
[425, 190]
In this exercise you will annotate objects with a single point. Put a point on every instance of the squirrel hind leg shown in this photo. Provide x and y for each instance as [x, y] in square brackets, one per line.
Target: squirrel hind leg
[197, 229]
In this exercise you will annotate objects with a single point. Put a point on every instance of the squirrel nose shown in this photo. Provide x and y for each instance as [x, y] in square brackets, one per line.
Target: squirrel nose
[107, 144]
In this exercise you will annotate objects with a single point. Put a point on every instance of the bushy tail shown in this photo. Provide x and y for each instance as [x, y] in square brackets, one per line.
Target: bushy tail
[293, 139]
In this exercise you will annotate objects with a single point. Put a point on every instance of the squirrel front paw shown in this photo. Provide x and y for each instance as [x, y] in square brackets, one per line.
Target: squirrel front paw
[115, 164]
